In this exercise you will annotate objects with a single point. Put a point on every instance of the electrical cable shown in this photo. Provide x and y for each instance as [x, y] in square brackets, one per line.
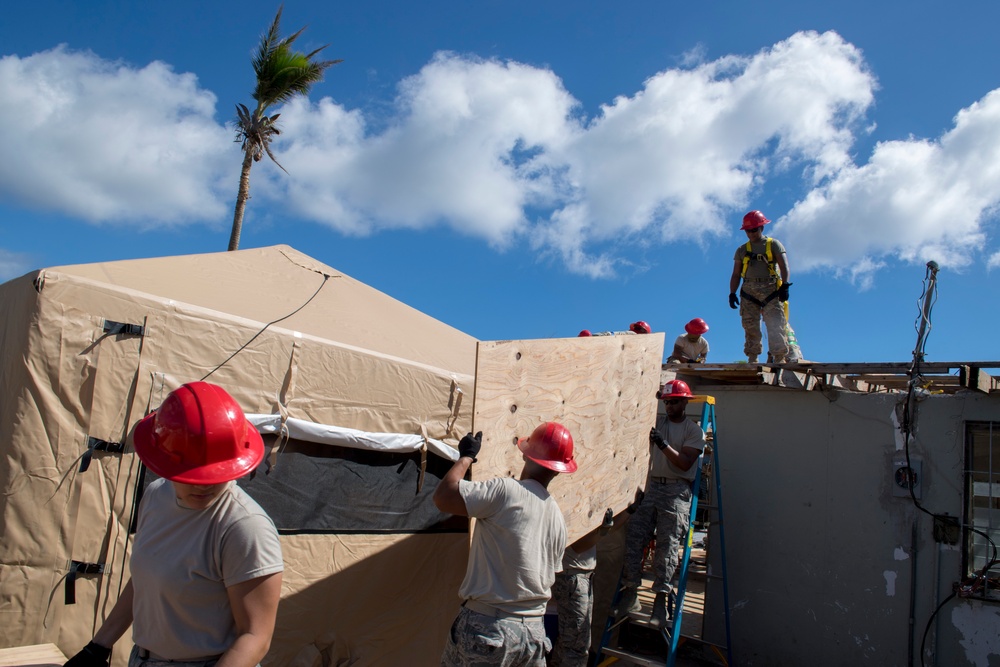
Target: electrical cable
[243, 347]
[972, 583]
[931, 619]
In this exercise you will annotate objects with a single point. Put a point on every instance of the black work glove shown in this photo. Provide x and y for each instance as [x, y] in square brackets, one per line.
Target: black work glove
[608, 523]
[783, 291]
[92, 655]
[656, 439]
[734, 301]
[470, 445]
[634, 505]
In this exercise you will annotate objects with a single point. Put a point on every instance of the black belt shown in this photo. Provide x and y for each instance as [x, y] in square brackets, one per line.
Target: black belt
[490, 610]
[668, 480]
[146, 654]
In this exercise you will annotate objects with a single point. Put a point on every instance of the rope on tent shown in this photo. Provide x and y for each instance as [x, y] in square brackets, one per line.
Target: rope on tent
[244, 346]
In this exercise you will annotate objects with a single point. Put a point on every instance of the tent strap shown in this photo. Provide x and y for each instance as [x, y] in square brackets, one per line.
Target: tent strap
[423, 458]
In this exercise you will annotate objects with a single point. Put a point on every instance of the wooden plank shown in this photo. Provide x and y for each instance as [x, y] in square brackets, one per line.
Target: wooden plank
[976, 378]
[38, 655]
[602, 388]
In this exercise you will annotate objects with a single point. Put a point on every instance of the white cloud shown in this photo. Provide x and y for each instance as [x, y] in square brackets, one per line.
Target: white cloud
[693, 145]
[103, 141]
[460, 151]
[494, 149]
[993, 262]
[915, 200]
[500, 151]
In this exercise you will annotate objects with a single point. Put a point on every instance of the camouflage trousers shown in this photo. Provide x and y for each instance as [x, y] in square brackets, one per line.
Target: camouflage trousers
[664, 511]
[574, 598]
[477, 640]
[774, 319]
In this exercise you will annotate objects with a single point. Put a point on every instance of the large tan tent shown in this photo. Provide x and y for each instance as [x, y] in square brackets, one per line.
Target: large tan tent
[359, 397]
[88, 350]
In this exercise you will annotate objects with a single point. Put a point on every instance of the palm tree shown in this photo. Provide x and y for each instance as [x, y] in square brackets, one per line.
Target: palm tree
[281, 75]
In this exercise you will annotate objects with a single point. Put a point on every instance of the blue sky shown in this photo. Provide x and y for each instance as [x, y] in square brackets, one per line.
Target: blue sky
[530, 169]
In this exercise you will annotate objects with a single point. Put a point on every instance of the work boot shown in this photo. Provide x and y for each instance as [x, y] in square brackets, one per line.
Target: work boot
[629, 602]
[658, 619]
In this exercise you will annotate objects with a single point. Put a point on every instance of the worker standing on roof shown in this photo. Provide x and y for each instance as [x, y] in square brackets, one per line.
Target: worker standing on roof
[677, 443]
[206, 562]
[763, 266]
[517, 547]
[691, 347]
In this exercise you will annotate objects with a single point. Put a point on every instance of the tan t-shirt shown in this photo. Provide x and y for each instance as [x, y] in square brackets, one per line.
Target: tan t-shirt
[182, 562]
[517, 544]
[584, 561]
[678, 436]
[692, 350]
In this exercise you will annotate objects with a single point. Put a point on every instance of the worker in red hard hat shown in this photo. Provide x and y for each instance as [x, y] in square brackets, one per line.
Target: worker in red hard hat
[677, 444]
[517, 547]
[762, 264]
[691, 346]
[206, 560]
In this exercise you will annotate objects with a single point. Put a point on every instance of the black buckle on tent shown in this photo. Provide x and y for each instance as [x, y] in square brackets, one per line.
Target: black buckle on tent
[98, 445]
[123, 328]
[77, 568]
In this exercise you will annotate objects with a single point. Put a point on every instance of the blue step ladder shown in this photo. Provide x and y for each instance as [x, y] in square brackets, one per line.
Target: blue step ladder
[672, 633]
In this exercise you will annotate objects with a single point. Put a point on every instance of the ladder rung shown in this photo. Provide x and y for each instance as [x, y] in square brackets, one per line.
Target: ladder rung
[634, 658]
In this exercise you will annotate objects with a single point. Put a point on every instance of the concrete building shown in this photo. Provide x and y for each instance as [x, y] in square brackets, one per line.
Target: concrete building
[831, 560]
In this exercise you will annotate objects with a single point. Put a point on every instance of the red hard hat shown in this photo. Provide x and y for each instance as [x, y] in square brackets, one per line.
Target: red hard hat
[696, 327]
[753, 220]
[550, 445]
[675, 389]
[585, 332]
[198, 436]
[640, 327]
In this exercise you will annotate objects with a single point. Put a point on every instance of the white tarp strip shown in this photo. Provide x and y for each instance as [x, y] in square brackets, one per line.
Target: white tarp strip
[301, 429]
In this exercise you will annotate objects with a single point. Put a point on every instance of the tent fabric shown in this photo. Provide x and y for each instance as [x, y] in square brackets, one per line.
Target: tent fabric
[284, 334]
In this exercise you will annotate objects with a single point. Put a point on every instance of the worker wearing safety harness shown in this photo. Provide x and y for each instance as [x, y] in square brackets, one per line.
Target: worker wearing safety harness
[763, 266]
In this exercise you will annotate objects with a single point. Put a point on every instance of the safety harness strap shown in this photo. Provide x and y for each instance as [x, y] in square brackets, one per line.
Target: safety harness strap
[768, 257]
[768, 299]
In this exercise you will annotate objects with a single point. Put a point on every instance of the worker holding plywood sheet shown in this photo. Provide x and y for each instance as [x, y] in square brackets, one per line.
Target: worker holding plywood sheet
[602, 388]
[517, 547]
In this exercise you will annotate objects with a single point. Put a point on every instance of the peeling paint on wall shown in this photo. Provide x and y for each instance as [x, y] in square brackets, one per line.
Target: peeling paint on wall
[978, 624]
[900, 554]
[890, 582]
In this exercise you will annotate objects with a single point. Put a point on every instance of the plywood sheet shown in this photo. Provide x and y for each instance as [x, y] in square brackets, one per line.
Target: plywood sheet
[602, 388]
[39, 655]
